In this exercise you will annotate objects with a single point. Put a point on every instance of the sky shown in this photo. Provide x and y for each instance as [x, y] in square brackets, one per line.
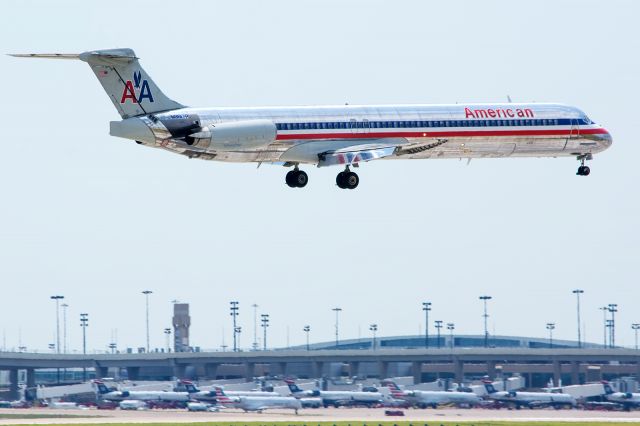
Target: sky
[100, 219]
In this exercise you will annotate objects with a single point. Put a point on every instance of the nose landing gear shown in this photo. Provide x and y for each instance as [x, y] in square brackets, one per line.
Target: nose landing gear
[347, 179]
[584, 170]
[296, 178]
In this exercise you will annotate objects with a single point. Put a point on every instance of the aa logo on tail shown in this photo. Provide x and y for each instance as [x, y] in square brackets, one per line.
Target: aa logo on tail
[137, 86]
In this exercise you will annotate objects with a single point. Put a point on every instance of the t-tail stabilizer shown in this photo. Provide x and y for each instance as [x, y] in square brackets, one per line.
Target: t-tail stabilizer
[128, 85]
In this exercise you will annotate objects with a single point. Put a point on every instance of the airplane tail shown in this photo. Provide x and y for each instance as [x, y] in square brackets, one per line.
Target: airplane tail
[221, 397]
[607, 388]
[395, 390]
[292, 386]
[188, 386]
[489, 387]
[102, 389]
[128, 85]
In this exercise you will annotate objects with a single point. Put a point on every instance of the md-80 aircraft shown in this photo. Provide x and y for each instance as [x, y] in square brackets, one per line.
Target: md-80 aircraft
[344, 135]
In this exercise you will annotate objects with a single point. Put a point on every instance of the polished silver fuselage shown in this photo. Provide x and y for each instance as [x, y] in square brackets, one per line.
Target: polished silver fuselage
[304, 134]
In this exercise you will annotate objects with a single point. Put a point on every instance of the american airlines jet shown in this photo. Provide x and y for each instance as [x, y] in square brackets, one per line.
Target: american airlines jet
[343, 136]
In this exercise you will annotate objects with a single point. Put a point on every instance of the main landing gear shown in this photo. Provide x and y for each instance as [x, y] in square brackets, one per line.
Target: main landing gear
[583, 170]
[347, 179]
[297, 178]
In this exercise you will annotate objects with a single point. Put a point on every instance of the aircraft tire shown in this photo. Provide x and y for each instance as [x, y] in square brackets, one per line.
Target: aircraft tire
[586, 171]
[340, 180]
[300, 179]
[290, 178]
[351, 180]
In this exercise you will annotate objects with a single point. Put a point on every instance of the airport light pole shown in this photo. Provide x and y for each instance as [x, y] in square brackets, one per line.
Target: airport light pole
[265, 324]
[255, 326]
[64, 327]
[486, 317]
[609, 325]
[635, 327]
[373, 328]
[234, 313]
[426, 307]
[57, 299]
[613, 308]
[551, 326]
[337, 311]
[167, 332]
[451, 326]
[146, 297]
[84, 323]
[238, 330]
[604, 310]
[307, 329]
[438, 325]
[578, 292]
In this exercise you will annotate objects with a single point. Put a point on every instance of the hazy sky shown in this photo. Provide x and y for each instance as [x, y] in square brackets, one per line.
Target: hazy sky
[99, 219]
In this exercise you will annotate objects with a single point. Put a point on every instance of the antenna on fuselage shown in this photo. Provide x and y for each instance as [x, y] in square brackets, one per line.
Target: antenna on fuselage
[509, 99]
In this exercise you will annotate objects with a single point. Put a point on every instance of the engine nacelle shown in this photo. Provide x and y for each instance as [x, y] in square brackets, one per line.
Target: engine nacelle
[235, 135]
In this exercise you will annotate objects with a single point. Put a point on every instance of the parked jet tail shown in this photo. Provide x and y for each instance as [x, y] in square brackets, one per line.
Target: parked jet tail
[221, 397]
[188, 386]
[292, 386]
[490, 388]
[395, 390]
[607, 388]
[128, 85]
[102, 389]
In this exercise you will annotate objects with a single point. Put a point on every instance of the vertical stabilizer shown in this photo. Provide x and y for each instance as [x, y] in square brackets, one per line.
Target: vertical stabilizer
[129, 86]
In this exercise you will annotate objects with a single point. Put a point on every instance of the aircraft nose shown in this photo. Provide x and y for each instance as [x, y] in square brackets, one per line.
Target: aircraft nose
[607, 139]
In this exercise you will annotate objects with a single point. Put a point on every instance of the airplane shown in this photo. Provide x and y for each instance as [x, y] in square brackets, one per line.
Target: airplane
[115, 395]
[343, 136]
[628, 400]
[337, 398]
[424, 399]
[256, 403]
[530, 399]
[211, 395]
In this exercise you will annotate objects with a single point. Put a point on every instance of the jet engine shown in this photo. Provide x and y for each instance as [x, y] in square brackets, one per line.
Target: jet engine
[234, 135]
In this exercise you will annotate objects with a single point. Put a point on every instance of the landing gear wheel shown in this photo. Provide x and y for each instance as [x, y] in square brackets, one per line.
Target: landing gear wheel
[351, 180]
[290, 179]
[583, 171]
[340, 180]
[297, 179]
[347, 180]
[301, 179]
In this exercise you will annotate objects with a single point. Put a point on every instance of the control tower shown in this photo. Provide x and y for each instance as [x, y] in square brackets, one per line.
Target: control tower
[181, 323]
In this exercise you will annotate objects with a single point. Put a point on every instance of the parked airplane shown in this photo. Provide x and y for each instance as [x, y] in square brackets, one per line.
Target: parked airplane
[116, 395]
[211, 395]
[530, 399]
[257, 403]
[337, 398]
[336, 135]
[627, 399]
[424, 399]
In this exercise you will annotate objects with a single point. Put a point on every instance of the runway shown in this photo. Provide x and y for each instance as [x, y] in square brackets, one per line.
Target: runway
[318, 415]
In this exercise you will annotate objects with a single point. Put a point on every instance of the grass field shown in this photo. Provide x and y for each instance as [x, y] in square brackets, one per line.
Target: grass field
[390, 423]
[22, 416]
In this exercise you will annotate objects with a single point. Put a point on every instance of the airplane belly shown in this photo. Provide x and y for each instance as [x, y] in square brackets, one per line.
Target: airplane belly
[492, 147]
